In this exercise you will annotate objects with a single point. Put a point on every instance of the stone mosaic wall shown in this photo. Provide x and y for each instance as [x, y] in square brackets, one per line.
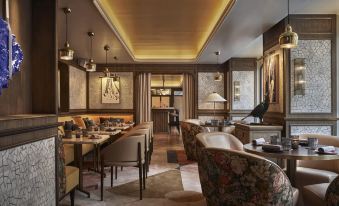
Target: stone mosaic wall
[296, 130]
[126, 95]
[317, 98]
[206, 86]
[77, 88]
[246, 100]
[27, 174]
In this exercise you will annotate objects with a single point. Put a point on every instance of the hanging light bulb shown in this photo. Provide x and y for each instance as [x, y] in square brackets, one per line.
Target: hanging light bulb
[106, 72]
[66, 53]
[218, 76]
[115, 77]
[288, 39]
[90, 66]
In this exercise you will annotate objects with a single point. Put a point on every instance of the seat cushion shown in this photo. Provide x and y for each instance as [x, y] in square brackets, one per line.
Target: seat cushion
[295, 196]
[72, 177]
[69, 153]
[315, 194]
[184, 196]
[309, 176]
[86, 148]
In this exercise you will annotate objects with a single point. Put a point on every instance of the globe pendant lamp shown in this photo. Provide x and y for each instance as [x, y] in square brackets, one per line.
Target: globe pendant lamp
[90, 66]
[288, 39]
[66, 53]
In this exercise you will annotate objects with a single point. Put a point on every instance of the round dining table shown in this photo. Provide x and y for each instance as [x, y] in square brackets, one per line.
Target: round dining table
[291, 156]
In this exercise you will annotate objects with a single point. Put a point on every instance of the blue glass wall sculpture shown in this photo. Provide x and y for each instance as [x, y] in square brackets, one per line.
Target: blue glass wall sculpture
[17, 55]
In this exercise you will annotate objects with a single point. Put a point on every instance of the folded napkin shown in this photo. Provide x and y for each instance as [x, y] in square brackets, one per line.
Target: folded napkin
[259, 141]
[272, 148]
[326, 149]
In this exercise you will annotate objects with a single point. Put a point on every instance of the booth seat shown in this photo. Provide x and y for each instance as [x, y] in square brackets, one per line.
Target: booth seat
[78, 119]
[311, 172]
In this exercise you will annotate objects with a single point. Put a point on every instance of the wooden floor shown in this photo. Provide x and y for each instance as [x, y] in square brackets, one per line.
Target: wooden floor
[162, 143]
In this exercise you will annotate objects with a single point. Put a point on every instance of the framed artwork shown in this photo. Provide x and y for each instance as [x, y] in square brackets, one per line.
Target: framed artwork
[271, 77]
[110, 90]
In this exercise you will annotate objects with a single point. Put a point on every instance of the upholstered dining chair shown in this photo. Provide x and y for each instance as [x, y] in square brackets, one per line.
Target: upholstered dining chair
[231, 177]
[317, 171]
[189, 131]
[143, 131]
[68, 176]
[127, 152]
[324, 194]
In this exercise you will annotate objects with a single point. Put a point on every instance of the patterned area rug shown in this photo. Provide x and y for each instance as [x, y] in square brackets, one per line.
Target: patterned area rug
[156, 186]
[178, 156]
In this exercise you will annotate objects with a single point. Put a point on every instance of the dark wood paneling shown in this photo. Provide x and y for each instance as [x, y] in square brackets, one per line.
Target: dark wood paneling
[44, 57]
[64, 87]
[17, 99]
[271, 36]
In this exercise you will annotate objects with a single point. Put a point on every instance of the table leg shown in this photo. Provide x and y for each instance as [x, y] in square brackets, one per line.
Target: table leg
[291, 170]
[79, 164]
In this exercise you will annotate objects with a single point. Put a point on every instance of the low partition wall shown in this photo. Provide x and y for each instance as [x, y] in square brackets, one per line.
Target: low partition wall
[28, 160]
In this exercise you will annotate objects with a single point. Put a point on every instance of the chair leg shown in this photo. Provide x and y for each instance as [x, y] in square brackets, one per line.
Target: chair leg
[116, 172]
[111, 176]
[102, 181]
[140, 179]
[144, 175]
[72, 194]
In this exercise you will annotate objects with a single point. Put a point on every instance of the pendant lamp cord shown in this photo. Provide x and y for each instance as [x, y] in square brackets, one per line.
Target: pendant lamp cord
[288, 11]
[66, 27]
[91, 47]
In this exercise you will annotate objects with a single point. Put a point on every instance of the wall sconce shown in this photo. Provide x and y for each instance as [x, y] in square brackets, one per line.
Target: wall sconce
[299, 76]
[236, 91]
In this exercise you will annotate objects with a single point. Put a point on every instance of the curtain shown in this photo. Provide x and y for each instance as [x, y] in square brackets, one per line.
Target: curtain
[188, 93]
[144, 98]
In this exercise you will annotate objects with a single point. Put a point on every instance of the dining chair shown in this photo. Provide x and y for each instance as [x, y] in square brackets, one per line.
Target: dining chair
[231, 177]
[68, 176]
[127, 152]
[324, 194]
[189, 131]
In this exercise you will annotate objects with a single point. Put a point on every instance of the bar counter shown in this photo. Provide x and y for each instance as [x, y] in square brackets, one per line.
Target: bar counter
[160, 118]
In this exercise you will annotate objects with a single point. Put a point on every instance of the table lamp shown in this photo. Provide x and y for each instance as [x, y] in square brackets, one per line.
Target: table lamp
[215, 97]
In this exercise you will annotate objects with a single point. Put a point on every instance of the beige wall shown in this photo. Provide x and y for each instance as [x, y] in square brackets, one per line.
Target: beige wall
[126, 95]
[77, 88]
[206, 86]
[17, 98]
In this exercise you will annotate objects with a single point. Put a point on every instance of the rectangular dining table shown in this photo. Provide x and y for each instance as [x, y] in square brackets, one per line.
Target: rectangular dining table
[78, 158]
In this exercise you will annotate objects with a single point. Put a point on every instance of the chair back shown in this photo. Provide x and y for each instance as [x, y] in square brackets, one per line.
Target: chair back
[220, 140]
[150, 123]
[332, 193]
[189, 132]
[329, 165]
[174, 117]
[125, 149]
[230, 177]
[140, 131]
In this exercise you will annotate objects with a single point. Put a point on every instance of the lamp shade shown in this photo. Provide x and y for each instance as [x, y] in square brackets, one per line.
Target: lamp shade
[215, 97]
[288, 39]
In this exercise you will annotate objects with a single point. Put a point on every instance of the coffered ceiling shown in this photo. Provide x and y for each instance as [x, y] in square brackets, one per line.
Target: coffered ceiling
[162, 30]
[238, 35]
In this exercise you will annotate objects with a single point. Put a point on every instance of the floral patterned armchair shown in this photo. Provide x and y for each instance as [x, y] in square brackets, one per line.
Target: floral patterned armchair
[189, 132]
[323, 194]
[230, 177]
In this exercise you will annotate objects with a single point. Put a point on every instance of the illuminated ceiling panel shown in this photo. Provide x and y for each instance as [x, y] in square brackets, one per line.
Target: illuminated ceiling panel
[166, 80]
[164, 30]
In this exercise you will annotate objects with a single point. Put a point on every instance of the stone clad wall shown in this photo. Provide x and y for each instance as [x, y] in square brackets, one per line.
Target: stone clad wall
[27, 174]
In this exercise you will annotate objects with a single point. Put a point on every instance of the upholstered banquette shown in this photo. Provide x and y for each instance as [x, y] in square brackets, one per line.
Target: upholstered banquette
[317, 171]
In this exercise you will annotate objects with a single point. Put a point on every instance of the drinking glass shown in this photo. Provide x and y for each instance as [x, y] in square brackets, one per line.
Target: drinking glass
[312, 142]
[274, 139]
[286, 144]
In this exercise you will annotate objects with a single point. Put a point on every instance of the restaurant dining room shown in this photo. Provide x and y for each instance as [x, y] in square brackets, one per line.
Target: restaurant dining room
[173, 103]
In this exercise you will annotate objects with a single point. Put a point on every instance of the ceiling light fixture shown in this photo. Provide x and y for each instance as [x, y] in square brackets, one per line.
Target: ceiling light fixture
[66, 53]
[106, 72]
[218, 76]
[90, 66]
[288, 39]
